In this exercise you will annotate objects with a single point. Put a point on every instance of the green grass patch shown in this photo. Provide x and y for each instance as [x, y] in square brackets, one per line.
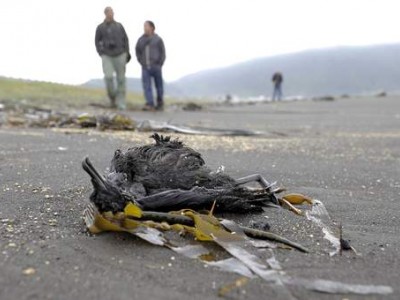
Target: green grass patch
[52, 95]
[27, 93]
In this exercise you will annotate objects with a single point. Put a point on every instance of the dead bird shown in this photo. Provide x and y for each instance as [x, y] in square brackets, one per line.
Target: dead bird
[167, 175]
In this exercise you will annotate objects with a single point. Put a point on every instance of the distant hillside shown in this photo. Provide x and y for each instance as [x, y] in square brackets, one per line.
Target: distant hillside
[342, 70]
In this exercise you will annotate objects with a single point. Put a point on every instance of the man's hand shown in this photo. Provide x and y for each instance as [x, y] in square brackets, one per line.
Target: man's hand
[128, 57]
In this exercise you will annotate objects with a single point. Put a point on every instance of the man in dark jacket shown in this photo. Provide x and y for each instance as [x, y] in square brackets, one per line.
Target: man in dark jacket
[277, 79]
[112, 44]
[150, 53]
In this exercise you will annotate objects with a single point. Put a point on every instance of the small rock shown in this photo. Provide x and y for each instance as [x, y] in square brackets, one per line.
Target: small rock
[52, 222]
[324, 98]
[345, 245]
[260, 225]
[381, 94]
[29, 271]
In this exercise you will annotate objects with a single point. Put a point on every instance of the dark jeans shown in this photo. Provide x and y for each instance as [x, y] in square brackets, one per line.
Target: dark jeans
[148, 74]
[277, 95]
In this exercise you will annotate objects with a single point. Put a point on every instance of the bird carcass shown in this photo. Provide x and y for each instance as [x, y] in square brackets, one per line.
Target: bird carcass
[168, 175]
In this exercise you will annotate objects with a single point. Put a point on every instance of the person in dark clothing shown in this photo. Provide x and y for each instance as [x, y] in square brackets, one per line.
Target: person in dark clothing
[277, 79]
[112, 44]
[150, 53]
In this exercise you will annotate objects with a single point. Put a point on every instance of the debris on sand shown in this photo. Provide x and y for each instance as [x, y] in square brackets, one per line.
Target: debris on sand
[86, 120]
[191, 106]
[334, 287]
[29, 271]
[16, 121]
[324, 98]
[207, 228]
[115, 121]
[381, 94]
[320, 216]
[166, 187]
[42, 118]
[298, 199]
[151, 126]
[237, 284]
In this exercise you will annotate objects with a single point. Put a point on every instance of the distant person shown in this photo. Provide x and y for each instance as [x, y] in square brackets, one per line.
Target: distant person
[112, 44]
[277, 79]
[228, 98]
[150, 53]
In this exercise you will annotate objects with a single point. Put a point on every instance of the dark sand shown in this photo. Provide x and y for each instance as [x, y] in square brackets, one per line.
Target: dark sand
[345, 153]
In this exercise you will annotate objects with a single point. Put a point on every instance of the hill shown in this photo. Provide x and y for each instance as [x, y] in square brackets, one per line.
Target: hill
[345, 70]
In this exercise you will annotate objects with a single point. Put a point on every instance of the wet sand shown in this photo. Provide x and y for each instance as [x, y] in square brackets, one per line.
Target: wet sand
[345, 153]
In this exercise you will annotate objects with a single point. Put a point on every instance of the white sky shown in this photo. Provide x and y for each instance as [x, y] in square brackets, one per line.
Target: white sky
[53, 40]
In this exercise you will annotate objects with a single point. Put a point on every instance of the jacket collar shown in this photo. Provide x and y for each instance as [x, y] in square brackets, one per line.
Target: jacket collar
[107, 23]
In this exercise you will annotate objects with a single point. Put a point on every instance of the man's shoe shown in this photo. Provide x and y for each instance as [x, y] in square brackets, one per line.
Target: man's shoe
[160, 107]
[148, 108]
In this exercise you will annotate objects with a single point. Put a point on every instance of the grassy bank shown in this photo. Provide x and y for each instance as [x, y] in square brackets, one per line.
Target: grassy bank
[52, 95]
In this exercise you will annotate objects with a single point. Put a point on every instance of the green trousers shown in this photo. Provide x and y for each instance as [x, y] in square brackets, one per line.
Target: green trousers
[115, 65]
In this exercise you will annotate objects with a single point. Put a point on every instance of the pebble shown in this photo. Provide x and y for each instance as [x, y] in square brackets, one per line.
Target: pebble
[29, 271]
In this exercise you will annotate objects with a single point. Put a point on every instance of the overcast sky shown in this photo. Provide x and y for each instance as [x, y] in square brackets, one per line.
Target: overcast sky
[54, 40]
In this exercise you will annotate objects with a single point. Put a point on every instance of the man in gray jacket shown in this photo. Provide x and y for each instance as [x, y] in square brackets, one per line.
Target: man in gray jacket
[112, 44]
[150, 53]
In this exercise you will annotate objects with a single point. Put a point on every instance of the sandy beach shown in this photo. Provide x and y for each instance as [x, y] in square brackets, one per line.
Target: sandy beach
[345, 153]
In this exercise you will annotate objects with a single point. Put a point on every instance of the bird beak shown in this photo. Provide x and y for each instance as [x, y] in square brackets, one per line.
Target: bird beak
[96, 177]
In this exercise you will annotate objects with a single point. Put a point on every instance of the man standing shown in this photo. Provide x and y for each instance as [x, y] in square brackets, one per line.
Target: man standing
[150, 53]
[112, 44]
[277, 79]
